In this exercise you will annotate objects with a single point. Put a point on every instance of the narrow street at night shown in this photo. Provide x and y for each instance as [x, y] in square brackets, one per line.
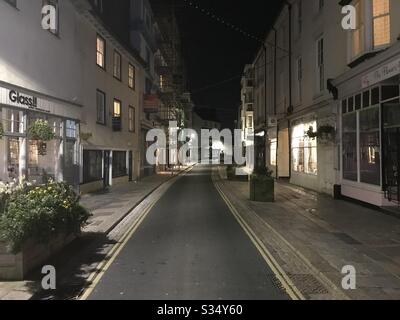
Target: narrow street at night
[189, 247]
[199, 158]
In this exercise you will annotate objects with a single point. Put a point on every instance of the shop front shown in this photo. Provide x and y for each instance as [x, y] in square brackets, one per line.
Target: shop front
[370, 130]
[27, 158]
[103, 168]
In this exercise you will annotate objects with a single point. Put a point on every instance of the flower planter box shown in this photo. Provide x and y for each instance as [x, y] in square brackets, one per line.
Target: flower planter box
[15, 267]
[262, 188]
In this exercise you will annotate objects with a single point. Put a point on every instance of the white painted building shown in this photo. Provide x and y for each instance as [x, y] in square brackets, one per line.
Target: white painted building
[305, 48]
[80, 79]
[44, 68]
[369, 106]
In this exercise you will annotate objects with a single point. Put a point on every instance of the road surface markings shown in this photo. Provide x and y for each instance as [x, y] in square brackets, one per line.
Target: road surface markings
[281, 275]
[102, 268]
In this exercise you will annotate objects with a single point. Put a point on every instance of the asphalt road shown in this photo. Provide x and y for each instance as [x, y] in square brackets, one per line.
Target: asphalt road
[189, 247]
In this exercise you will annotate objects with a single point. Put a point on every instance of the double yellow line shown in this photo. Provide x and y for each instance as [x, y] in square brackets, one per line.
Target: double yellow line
[102, 268]
[280, 274]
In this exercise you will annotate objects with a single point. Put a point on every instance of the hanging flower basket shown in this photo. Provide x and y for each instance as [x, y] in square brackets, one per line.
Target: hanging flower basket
[40, 130]
[1, 131]
[325, 133]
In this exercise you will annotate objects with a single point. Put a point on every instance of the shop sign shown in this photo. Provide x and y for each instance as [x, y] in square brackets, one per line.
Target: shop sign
[385, 72]
[16, 98]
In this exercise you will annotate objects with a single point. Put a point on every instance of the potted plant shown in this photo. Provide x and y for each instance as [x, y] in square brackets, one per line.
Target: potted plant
[41, 131]
[325, 133]
[262, 185]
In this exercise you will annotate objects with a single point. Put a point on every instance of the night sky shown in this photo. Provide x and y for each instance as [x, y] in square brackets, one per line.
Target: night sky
[214, 52]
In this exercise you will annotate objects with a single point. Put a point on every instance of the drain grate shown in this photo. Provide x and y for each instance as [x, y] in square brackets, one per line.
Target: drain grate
[308, 284]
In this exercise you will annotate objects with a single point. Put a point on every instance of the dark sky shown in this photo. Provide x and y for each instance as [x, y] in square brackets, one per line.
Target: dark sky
[215, 53]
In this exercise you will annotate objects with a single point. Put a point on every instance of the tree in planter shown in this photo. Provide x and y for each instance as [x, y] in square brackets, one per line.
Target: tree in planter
[41, 131]
[262, 185]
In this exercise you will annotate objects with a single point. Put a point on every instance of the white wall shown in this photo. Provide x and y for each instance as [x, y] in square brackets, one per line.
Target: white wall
[35, 58]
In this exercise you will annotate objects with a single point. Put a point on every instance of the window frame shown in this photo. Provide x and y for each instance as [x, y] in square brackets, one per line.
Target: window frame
[104, 123]
[104, 54]
[117, 127]
[117, 54]
[132, 120]
[133, 78]
[320, 64]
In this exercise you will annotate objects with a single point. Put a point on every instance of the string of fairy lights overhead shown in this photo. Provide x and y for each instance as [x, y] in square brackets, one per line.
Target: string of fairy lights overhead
[230, 25]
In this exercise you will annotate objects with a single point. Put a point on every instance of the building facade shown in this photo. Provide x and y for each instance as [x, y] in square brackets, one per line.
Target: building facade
[246, 110]
[305, 48]
[83, 82]
[369, 107]
[110, 127]
[329, 106]
[39, 79]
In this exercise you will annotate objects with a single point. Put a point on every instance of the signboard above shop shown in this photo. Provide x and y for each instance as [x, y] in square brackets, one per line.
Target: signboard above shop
[26, 100]
[16, 98]
[383, 73]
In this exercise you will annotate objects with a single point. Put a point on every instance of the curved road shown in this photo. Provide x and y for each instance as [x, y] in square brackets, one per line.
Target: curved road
[189, 247]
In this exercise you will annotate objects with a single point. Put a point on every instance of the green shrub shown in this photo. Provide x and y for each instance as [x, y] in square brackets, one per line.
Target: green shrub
[41, 130]
[40, 214]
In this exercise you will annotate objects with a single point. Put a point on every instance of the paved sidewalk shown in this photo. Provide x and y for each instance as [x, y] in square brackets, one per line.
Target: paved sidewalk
[313, 235]
[110, 207]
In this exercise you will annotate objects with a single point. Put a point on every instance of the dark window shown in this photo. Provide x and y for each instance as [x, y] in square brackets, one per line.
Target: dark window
[370, 147]
[101, 107]
[117, 65]
[350, 170]
[119, 164]
[351, 104]
[375, 96]
[92, 166]
[132, 119]
[390, 92]
[358, 102]
[366, 99]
